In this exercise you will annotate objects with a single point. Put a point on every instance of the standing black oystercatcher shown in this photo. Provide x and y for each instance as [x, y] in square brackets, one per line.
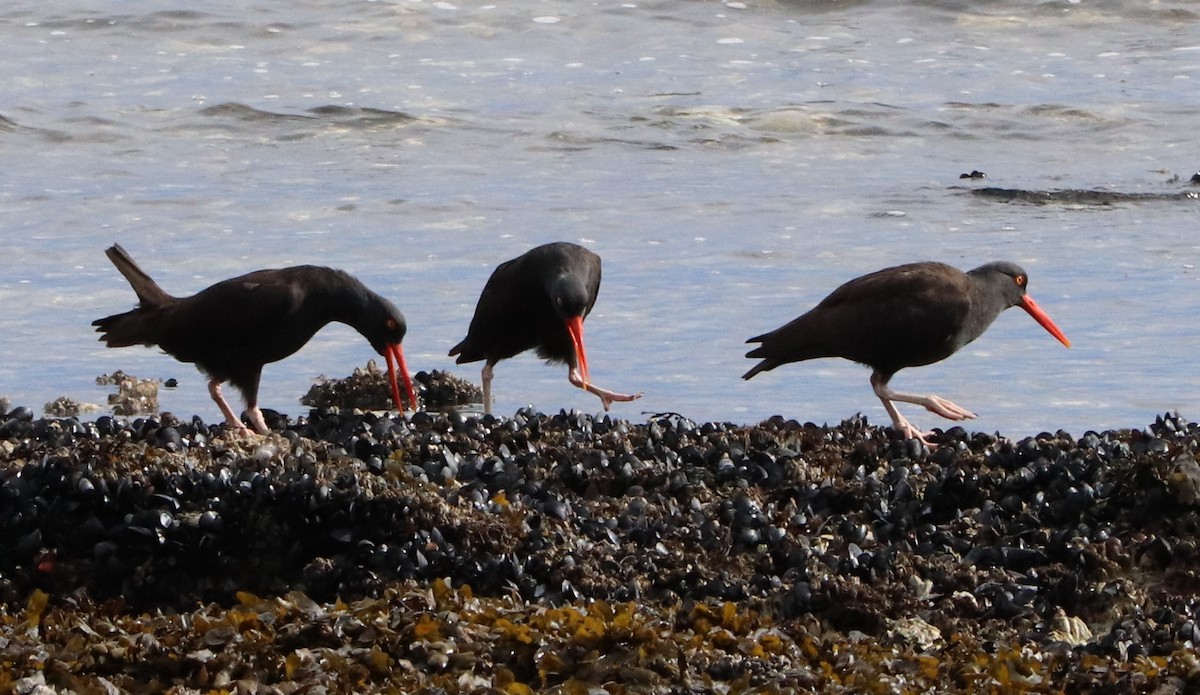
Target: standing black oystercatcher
[537, 300]
[905, 316]
[232, 329]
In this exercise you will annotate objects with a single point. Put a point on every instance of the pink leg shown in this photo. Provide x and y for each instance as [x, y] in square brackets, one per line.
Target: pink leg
[214, 390]
[934, 404]
[902, 426]
[487, 388]
[256, 419]
[606, 397]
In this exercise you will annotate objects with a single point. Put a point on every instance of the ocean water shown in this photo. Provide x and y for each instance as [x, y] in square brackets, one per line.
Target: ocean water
[731, 162]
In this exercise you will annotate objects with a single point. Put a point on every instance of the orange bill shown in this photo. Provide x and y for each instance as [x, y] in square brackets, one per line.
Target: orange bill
[395, 360]
[1040, 316]
[575, 328]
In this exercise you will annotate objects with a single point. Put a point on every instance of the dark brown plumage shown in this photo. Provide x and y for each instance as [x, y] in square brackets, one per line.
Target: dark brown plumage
[537, 301]
[233, 328]
[906, 316]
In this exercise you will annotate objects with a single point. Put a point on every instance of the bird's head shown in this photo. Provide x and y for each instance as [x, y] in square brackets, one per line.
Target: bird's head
[384, 327]
[569, 296]
[571, 302]
[1010, 281]
[1003, 279]
[388, 326]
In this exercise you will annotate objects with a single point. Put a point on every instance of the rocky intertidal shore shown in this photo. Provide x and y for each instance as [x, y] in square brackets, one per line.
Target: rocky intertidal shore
[358, 552]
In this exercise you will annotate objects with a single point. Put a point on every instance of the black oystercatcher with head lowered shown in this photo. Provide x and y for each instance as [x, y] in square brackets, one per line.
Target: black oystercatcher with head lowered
[906, 316]
[537, 300]
[232, 329]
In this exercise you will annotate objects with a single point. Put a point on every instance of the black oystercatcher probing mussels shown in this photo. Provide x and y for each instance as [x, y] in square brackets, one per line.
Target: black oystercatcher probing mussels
[906, 316]
[232, 329]
[537, 300]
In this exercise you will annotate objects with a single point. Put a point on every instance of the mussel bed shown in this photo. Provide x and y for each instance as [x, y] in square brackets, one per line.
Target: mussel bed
[358, 552]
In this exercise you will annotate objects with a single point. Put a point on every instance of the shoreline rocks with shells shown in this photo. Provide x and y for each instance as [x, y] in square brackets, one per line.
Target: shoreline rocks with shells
[367, 388]
[571, 553]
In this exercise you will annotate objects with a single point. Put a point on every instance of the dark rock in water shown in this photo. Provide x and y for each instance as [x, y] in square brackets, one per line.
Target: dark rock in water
[1080, 196]
[367, 389]
[566, 551]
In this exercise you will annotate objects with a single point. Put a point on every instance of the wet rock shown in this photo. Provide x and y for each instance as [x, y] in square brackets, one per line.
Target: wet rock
[64, 406]
[368, 389]
[134, 396]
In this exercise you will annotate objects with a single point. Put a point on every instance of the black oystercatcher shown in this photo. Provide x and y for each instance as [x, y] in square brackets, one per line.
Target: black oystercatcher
[537, 300]
[900, 317]
[232, 329]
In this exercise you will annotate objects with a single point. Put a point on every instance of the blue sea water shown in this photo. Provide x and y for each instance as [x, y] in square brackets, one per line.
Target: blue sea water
[731, 162]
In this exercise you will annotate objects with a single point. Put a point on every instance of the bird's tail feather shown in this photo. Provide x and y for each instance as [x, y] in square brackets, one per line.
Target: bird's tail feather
[133, 327]
[148, 291]
[123, 330]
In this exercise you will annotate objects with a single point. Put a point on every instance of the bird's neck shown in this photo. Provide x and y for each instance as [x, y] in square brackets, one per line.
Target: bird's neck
[337, 297]
[353, 307]
[985, 307]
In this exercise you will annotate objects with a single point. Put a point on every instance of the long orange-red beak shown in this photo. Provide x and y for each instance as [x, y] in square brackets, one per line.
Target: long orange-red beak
[395, 360]
[575, 328]
[1040, 316]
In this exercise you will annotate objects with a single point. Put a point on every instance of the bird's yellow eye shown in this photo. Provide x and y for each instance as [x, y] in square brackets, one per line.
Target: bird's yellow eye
[391, 324]
[1020, 280]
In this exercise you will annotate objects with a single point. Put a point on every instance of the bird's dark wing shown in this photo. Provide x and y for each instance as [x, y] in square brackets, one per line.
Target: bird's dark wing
[894, 318]
[256, 318]
[499, 305]
[903, 317]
